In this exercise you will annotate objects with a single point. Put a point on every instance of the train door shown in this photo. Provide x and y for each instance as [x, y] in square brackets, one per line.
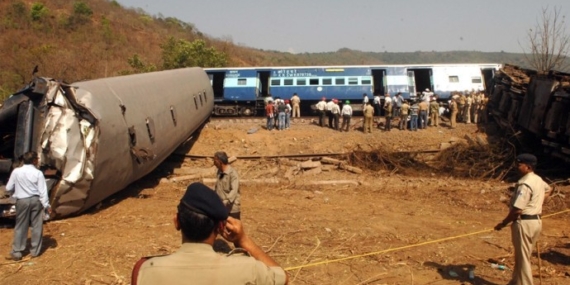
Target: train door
[423, 78]
[217, 79]
[263, 83]
[488, 74]
[411, 84]
[379, 81]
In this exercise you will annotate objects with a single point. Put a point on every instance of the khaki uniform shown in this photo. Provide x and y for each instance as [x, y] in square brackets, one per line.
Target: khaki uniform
[197, 263]
[296, 103]
[227, 187]
[525, 231]
[403, 123]
[453, 117]
[467, 109]
[434, 113]
[461, 107]
[368, 117]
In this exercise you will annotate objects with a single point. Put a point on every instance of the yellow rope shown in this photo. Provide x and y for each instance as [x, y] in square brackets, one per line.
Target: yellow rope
[402, 247]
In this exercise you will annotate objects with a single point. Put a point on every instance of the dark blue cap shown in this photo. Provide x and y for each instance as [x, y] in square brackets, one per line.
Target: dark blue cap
[201, 199]
[527, 158]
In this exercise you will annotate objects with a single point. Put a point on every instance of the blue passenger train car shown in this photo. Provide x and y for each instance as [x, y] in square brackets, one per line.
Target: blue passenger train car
[241, 91]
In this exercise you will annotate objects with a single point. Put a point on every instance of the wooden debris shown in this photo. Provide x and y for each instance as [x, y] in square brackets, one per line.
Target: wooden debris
[309, 164]
[444, 145]
[272, 180]
[350, 168]
[328, 160]
[333, 182]
[313, 171]
[232, 159]
[193, 170]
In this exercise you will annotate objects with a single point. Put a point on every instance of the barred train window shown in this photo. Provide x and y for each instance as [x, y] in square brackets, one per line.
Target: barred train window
[366, 81]
[288, 82]
[339, 81]
[301, 81]
[453, 78]
[242, 81]
[352, 81]
[327, 81]
[314, 81]
[476, 80]
[275, 82]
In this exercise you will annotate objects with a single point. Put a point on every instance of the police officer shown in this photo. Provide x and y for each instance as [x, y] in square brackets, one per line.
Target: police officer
[454, 109]
[200, 218]
[368, 118]
[346, 116]
[227, 184]
[525, 209]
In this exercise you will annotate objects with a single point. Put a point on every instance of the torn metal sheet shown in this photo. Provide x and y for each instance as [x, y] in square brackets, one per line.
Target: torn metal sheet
[96, 137]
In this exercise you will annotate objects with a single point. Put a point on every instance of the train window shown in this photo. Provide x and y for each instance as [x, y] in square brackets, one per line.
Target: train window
[301, 81]
[275, 82]
[475, 79]
[352, 81]
[150, 129]
[366, 81]
[242, 81]
[195, 102]
[314, 81]
[201, 102]
[327, 81]
[173, 114]
[453, 78]
[339, 81]
[288, 82]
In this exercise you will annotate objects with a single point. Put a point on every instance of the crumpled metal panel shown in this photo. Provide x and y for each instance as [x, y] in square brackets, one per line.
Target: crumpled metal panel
[96, 137]
[103, 163]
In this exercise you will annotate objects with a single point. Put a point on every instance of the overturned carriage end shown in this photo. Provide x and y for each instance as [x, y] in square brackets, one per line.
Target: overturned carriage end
[96, 137]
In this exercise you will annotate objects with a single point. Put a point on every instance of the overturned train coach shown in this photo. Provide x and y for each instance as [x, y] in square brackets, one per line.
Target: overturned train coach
[523, 100]
[96, 137]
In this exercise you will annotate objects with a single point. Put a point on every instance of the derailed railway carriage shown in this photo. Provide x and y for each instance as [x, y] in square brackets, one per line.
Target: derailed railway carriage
[96, 137]
[241, 91]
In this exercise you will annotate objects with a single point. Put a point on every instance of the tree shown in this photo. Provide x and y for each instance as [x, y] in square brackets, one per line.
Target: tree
[549, 43]
[182, 53]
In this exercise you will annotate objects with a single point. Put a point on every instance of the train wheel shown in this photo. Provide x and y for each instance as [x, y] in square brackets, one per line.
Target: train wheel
[247, 111]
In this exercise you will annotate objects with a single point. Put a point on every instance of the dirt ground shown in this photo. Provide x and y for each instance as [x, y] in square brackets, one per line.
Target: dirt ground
[398, 226]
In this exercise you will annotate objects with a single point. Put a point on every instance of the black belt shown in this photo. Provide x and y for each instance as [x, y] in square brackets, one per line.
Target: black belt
[530, 217]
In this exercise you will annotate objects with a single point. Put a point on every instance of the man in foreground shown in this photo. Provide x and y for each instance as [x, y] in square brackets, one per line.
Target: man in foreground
[525, 210]
[30, 191]
[227, 184]
[201, 217]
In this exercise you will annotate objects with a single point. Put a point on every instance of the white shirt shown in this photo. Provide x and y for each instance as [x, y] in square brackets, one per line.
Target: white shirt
[365, 99]
[322, 105]
[28, 181]
[335, 109]
[377, 100]
[330, 105]
[346, 110]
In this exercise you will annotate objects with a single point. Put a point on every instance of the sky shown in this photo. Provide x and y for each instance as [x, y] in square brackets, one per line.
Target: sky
[299, 26]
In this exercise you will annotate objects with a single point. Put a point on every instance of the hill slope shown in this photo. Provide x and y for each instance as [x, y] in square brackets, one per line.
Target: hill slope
[78, 40]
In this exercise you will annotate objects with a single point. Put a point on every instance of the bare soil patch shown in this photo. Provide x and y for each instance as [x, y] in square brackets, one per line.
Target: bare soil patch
[413, 223]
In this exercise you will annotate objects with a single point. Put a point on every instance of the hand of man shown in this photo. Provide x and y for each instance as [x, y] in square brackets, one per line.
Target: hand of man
[233, 231]
[49, 211]
[499, 226]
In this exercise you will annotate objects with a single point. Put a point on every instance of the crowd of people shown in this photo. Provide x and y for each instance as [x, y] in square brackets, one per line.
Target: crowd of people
[406, 114]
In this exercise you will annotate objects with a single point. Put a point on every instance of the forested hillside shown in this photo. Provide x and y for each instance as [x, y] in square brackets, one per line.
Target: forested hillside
[78, 40]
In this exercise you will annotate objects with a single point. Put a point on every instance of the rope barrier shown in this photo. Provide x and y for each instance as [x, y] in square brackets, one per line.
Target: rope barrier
[402, 247]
